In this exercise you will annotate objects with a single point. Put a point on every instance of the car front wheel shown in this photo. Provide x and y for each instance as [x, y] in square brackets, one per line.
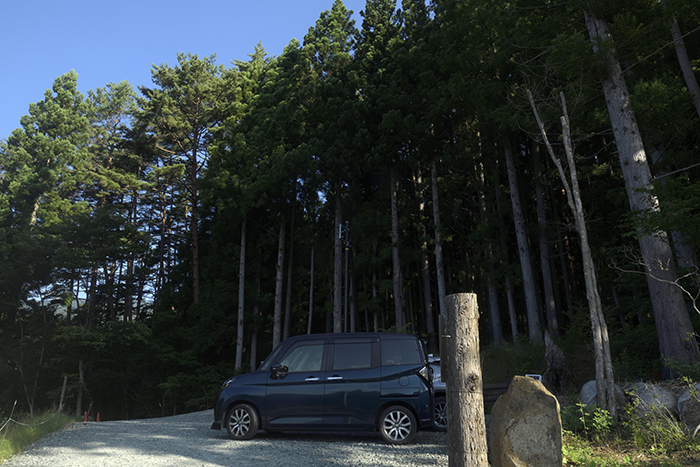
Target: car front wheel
[397, 425]
[440, 414]
[242, 422]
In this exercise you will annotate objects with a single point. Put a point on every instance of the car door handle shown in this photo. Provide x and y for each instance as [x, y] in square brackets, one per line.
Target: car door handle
[311, 379]
[335, 378]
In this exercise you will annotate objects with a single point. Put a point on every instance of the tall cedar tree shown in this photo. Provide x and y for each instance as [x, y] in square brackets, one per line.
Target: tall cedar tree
[328, 49]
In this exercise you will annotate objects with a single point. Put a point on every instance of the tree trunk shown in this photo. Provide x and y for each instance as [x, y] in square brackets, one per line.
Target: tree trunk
[254, 350]
[288, 300]
[685, 254]
[605, 379]
[439, 263]
[684, 61]
[425, 265]
[352, 308]
[563, 261]
[129, 292]
[81, 382]
[194, 221]
[311, 292]
[504, 254]
[395, 255]
[677, 342]
[241, 301]
[92, 296]
[374, 285]
[110, 269]
[64, 387]
[494, 311]
[279, 281]
[533, 320]
[338, 263]
[550, 303]
[195, 252]
[346, 286]
[466, 425]
[254, 339]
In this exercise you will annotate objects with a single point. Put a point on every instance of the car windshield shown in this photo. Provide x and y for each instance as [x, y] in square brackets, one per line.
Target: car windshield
[269, 361]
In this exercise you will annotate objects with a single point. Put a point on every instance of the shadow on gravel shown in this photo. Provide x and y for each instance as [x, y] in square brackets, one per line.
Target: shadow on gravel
[186, 440]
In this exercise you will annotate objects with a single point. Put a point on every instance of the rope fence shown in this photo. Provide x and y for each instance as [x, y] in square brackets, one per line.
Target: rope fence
[17, 422]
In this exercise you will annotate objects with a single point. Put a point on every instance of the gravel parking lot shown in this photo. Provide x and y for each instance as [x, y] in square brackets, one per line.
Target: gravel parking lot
[187, 440]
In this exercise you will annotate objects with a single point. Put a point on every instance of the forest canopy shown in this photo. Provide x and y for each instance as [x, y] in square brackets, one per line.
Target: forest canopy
[155, 241]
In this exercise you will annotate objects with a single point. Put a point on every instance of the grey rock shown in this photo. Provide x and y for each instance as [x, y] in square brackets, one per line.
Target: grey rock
[654, 400]
[525, 426]
[589, 396]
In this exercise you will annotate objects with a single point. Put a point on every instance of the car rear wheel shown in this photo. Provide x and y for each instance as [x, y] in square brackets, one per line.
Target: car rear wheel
[242, 422]
[440, 413]
[397, 425]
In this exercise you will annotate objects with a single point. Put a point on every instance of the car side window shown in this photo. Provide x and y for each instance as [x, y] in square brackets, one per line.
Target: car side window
[401, 352]
[353, 356]
[304, 358]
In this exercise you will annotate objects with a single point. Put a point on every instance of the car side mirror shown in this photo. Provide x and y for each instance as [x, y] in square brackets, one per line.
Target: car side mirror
[278, 370]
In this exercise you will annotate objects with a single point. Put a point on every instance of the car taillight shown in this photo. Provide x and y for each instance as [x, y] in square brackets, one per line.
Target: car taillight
[425, 373]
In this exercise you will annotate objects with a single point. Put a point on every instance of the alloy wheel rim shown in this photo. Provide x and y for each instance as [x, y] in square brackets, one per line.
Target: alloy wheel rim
[441, 414]
[239, 422]
[397, 425]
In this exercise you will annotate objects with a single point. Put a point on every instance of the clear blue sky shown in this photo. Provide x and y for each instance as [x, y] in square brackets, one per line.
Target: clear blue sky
[114, 41]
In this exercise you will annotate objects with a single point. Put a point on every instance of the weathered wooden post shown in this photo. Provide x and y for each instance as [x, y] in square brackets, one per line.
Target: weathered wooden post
[466, 425]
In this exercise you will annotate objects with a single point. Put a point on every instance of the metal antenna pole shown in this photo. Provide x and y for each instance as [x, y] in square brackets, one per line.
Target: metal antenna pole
[347, 242]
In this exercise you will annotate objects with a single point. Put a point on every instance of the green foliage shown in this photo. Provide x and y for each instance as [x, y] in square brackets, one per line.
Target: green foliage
[685, 371]
[500, 362]
[579, 419]
[591, 439]
[405, 329]
[16, 435]
[196, 391]
[102, 199]
[657, 430]
[576, 451]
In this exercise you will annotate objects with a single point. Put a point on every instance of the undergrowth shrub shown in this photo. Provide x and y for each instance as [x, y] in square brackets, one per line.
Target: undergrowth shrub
[500, 363]
[581, 420]
[16, 435]
[657, 430]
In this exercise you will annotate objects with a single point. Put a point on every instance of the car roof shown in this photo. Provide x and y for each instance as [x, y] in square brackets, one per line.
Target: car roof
[340, 336]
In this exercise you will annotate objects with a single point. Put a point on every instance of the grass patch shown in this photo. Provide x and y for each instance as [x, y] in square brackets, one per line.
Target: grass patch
[590, 437]
[656, 439]
[14, 437]
[614, 450]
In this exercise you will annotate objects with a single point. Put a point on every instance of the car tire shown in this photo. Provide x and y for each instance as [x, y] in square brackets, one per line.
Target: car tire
[242, 422]
[440, 413]
[397, 425]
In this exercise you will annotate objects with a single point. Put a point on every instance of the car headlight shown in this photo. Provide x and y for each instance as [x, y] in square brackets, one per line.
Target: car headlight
[229, 381]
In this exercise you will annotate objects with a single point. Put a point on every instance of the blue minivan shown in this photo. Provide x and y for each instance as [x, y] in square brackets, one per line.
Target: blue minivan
[350, 382]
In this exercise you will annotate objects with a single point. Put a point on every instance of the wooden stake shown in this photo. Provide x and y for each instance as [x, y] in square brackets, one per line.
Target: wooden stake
[466, 425]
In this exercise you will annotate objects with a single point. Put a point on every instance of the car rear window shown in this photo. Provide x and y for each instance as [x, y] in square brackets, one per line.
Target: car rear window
[352, 356]
[401, 352]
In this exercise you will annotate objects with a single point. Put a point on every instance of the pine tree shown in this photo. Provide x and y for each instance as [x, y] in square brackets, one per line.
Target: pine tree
[182, 112]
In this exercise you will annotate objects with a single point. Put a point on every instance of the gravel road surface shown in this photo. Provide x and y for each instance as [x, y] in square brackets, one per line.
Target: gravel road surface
[187, 441]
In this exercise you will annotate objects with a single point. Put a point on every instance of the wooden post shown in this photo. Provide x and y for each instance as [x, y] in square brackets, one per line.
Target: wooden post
[466, 425]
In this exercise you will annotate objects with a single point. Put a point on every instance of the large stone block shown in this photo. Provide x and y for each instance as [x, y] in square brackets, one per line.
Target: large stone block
[654, 400]
[689, 409]
[525, 427]
[589, 396]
